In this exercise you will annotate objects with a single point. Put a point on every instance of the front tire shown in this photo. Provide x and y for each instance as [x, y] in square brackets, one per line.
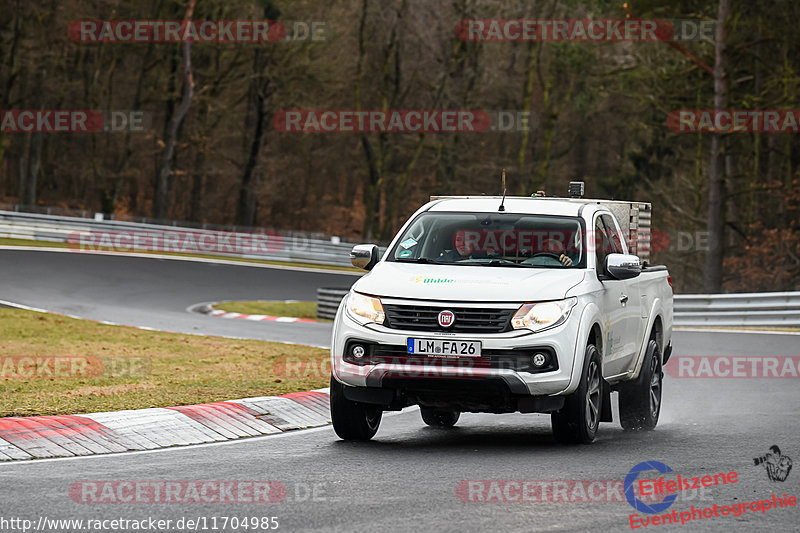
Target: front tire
[640, 400]
[578, 421]
[439, 418]
[353, 420]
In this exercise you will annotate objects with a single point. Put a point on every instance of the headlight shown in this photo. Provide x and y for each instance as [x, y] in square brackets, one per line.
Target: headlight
[364, 309]
[537, 317]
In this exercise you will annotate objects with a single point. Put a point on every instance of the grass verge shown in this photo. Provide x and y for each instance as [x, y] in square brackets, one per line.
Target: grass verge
[130, 368]
[271, 308]
[5, 241]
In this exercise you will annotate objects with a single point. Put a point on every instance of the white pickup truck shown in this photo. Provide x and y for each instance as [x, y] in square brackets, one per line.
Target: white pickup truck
[498, 305]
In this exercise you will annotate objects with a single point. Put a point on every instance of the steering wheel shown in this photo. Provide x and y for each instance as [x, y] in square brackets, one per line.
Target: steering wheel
[554, 255]
[452, 256]
[550, 256]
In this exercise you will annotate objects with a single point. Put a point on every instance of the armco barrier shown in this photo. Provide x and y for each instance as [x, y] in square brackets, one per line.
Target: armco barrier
[273, 245]
[769, 309]
[328, 301]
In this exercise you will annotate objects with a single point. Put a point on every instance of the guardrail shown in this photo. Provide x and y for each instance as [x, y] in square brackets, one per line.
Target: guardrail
[248, 243]
[328, 301]
[768, 309]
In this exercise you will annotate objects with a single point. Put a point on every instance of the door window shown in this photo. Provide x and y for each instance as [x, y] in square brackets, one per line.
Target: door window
[614, 237]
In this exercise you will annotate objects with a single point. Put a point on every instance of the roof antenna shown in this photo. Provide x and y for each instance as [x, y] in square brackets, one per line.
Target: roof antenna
[503, 177]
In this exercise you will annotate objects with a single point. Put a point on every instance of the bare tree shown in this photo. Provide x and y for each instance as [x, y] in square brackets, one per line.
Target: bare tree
[712, 277]
[164, 183]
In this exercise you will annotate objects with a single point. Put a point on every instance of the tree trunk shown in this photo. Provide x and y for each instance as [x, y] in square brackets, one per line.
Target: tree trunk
[526, 178]
[34, 156]
[712, 276]
[35, 149]
[111, 196]
[372, 198]
[196, 212]
[260, 92]
[245, 208]
[13, 72]
[164, 184]
[757, 137]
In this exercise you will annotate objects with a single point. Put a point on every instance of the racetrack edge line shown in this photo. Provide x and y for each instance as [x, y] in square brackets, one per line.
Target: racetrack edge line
[183, 258]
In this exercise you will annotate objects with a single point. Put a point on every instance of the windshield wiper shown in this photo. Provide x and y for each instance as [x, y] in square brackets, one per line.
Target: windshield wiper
[417, 260]
[502, 262]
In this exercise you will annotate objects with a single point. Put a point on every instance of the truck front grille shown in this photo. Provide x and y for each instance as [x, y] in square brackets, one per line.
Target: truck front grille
[467, 319]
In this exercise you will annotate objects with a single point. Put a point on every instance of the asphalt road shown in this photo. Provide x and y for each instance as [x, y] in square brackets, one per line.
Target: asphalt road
[156, 293]
[406, 479]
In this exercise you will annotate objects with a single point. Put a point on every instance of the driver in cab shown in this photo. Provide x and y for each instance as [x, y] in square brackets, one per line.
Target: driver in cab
[472, 244]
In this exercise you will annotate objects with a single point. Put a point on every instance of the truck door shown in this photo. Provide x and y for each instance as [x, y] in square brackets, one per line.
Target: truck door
[615, 301]
[634, 324]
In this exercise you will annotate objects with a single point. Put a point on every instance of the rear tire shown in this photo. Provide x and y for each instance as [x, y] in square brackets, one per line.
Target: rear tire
[439, 418]
[353, 420]
[640, 400]
[578, 421]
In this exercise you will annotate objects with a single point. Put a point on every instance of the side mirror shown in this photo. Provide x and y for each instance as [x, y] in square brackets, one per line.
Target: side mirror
[364, 256]
[622, 266]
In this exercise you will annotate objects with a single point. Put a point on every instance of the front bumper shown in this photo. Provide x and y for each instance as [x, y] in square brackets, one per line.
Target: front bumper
[395, 369]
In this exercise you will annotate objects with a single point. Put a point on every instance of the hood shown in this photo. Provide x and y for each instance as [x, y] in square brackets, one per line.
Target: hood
[468, 283]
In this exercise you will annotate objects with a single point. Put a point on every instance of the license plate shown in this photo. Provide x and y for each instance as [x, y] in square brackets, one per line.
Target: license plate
[444, 348]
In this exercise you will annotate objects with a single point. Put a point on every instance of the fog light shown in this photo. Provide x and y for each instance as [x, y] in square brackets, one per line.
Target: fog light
[539, 359]
[358, 351]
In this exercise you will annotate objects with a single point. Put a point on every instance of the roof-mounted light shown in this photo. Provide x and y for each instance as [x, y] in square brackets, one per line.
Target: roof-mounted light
[576, 189]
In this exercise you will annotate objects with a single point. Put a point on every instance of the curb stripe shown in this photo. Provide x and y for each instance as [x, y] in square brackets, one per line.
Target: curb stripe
[316, 401]
[215, 414]
[26, 437]
[230, 314]
[233, 417]
[147, 429]
[93, 436]
[56, 433]
[10, 452]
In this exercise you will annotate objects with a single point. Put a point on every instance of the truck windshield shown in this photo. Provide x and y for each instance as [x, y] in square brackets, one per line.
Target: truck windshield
[492, 239]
